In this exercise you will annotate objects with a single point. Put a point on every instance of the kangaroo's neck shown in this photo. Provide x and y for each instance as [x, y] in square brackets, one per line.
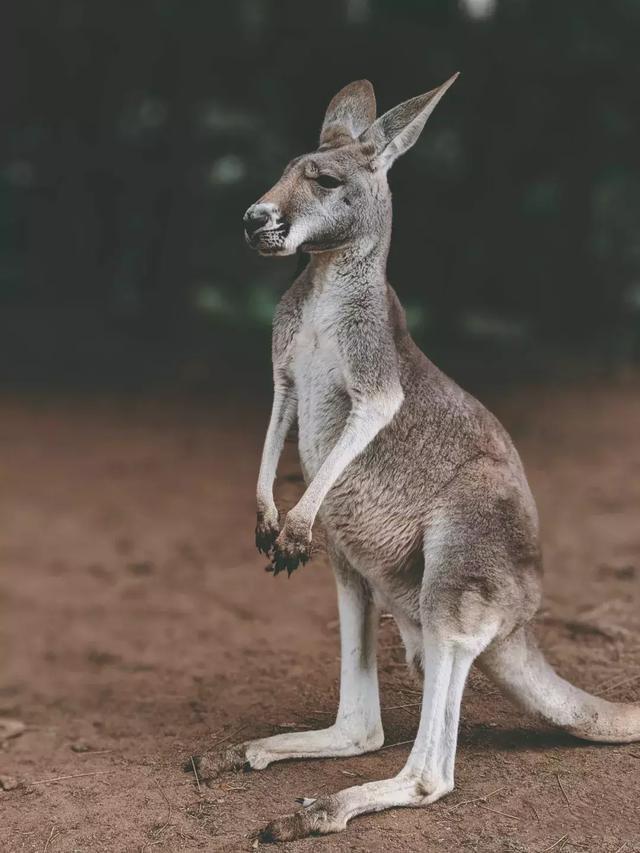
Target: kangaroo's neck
[359, 266]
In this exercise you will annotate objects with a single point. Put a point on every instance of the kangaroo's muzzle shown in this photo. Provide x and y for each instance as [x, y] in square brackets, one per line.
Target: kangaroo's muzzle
[264, 227]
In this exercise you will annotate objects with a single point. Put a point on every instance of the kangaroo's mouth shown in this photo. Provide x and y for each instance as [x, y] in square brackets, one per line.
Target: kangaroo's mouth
[269, 241]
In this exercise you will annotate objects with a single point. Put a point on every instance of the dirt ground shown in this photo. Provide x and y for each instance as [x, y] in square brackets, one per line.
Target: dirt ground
[138, 627]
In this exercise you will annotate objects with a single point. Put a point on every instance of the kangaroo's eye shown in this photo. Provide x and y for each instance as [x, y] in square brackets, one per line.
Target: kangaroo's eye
[328, 182]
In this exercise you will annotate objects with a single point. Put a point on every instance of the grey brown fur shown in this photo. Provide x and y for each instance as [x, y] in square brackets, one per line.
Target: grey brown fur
[423, 497]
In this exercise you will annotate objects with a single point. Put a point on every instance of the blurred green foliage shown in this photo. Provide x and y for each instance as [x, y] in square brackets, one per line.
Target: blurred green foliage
[136, 134]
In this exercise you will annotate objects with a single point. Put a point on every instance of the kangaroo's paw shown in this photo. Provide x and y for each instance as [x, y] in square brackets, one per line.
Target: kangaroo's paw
[267, 531]
[291, 549]
[210, 765]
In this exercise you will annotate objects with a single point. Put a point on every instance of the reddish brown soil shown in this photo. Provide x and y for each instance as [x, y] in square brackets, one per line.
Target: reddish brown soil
[137, 621]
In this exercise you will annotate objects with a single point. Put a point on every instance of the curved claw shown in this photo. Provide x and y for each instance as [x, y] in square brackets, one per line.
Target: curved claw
[288, 556]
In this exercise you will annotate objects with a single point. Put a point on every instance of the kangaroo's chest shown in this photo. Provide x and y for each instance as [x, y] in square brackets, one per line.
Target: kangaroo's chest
[320, 378]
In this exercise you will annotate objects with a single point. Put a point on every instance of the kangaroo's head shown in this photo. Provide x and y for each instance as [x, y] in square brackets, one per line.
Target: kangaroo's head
[339, 194]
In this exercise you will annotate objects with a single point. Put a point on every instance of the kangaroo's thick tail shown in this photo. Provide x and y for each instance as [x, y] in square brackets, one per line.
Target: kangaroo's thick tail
[517, 665]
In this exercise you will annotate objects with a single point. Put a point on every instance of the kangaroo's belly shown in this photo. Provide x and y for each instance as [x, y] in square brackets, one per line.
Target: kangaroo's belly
[370, 513]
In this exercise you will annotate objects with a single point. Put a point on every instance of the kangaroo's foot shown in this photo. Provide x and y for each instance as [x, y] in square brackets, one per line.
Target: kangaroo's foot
[332, 742]
[331, 814]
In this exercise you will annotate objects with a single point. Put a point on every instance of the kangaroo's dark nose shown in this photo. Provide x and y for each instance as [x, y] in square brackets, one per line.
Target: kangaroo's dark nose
[254, 219]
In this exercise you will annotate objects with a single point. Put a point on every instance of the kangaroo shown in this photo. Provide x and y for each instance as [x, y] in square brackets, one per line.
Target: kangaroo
[423, 496]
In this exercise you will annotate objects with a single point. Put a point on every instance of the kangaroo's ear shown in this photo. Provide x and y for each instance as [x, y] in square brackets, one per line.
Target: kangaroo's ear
[350, 113]
[397, 130]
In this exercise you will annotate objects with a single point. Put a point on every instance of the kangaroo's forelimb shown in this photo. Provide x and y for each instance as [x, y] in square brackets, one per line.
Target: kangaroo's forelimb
[283, 413]
[367, 418]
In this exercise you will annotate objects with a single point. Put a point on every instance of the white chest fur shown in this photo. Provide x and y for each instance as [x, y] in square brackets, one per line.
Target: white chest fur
[315, 344]
[320, 378]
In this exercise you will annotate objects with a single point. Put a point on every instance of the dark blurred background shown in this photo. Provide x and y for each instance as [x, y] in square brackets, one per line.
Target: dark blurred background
[134, 135]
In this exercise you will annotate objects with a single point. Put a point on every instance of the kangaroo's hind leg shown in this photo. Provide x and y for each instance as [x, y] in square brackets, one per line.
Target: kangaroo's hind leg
[472, 593]
[358, 727]
[428, 773]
